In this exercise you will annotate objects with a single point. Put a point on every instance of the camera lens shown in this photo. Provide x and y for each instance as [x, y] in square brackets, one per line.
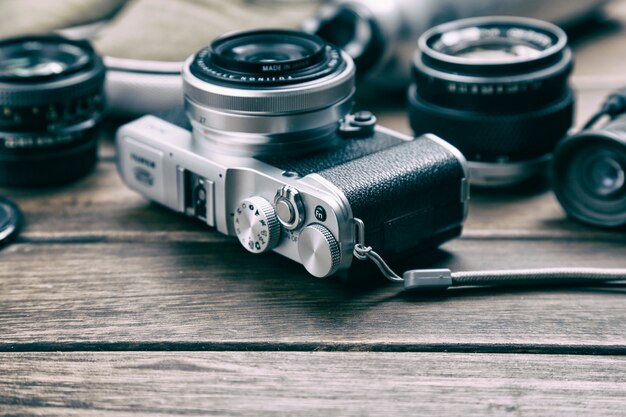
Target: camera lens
[590, 175]
[496, 88]
[263, 91]
[51, 99]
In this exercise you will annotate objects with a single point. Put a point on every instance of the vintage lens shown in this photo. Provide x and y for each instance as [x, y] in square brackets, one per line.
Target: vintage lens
[51, 99]
[266, 91]
[589, 173]
[496, 88]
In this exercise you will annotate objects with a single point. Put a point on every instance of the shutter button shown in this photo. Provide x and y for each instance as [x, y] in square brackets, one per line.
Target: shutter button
[289, 207]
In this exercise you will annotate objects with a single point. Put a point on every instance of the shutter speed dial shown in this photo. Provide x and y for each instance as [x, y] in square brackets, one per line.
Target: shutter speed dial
[256, 225]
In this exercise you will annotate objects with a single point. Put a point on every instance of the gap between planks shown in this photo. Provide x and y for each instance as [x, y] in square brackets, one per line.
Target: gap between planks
[543, 349]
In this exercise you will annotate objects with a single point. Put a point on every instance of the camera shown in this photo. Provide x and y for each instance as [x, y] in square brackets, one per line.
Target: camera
[51, 103]
[497, 89]
[268, 151]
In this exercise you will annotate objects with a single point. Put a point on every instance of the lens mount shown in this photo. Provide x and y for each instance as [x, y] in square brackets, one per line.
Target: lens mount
[51, 99]
[589, 176]
[264, 113]
[495, 87]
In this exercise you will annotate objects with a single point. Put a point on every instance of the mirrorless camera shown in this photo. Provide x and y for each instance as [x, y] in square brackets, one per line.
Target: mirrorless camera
[270, 153]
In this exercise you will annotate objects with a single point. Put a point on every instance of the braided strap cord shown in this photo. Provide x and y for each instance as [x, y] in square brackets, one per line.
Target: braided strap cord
[537, 276]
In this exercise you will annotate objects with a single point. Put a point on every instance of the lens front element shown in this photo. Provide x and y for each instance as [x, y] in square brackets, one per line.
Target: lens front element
[604, 175]
[267, 58]
[39, 59]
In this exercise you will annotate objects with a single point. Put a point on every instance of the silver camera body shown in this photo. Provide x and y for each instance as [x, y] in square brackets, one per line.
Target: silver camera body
[269, 153]
[306, 219]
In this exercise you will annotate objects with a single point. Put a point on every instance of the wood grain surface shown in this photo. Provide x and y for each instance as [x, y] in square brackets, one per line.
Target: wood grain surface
[102, 284]
[310, 384]
[215, 295]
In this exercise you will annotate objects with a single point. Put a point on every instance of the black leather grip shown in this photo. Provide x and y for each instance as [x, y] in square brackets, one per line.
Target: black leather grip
[408, 194]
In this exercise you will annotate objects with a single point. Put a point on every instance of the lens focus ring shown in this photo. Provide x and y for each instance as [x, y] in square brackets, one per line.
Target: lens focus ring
[496, 137]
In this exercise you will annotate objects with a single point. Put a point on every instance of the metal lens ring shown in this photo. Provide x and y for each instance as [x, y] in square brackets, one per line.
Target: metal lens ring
[589, 175]
[51, 100]
[495, 87]
[267, 58]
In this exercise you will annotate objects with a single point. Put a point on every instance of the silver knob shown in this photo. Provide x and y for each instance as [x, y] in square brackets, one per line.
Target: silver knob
[289, 207]
[319, 251]
[256, 224]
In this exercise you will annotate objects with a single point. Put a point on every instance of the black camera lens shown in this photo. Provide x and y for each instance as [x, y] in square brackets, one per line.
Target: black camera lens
[10, 221]
[589, 173]
[51, 100]
[267, 58]
[496, 88]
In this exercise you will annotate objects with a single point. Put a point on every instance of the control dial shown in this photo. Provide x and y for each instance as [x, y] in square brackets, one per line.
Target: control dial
[256, 224]
[319, 251]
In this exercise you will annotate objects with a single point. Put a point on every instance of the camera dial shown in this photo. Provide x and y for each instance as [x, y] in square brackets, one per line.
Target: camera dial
[256, 225]
[319, 251]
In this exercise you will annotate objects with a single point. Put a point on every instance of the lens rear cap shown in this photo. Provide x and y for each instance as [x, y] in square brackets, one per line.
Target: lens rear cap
[10, 221]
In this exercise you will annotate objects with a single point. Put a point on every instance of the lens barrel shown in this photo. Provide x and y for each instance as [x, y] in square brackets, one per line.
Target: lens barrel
[51, 100]
[263, 91]
[497, 89]
[589, 175]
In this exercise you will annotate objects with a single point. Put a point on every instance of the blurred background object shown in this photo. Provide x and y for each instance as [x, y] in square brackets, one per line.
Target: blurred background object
[22, 17]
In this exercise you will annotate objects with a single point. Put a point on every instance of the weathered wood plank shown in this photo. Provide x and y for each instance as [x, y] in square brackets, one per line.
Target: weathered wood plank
[219, 295]
[310, 384]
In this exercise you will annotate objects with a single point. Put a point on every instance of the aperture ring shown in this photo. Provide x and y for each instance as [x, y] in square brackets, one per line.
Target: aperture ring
[495, 94]
[53, 115]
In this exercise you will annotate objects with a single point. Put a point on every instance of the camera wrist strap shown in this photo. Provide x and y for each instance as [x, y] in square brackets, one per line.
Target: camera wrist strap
[440, 279]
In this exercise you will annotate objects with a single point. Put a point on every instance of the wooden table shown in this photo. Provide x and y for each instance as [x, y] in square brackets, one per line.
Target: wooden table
[111, 305]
